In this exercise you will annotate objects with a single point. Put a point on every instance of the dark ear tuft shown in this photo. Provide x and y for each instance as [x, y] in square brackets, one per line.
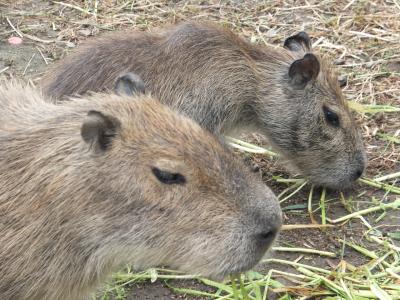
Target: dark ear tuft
[303, 70]
[98, 130]
[300, 41]
[129, 84]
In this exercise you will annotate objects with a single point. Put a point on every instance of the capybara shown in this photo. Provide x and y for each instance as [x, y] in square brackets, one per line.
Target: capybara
[217, 78]
[92, 184]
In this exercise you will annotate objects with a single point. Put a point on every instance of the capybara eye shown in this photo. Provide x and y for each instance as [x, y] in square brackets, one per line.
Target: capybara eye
[168, 177]
[331, 117]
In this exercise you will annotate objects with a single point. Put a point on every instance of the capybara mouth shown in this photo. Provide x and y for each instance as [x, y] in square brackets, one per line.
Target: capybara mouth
[334, 185]
[237, 270]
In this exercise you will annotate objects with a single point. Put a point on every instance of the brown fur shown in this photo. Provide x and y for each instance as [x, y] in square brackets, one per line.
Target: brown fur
[71, 213]
[227, 84]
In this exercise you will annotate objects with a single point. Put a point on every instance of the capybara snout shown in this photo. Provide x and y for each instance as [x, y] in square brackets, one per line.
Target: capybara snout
[255, 222]
[95, 183]
[242, 219]
[269, 218]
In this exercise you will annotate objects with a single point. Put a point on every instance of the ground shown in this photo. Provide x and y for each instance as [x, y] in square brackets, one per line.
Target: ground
[362, 38]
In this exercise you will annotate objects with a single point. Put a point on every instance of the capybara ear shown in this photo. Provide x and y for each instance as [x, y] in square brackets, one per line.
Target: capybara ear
[129, 84]
[304, 70]
[98, 130]
[300, 41]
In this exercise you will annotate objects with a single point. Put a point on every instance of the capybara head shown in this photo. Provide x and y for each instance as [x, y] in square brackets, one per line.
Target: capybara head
[313, 125]
[189, 184]
[106, 180]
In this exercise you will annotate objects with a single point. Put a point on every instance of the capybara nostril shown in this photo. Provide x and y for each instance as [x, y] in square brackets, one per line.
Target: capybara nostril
[265, 238]
[358, 173]
[360, 167]
[268, 225]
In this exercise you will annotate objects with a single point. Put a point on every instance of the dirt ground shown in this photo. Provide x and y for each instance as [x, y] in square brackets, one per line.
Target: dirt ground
[50, 30]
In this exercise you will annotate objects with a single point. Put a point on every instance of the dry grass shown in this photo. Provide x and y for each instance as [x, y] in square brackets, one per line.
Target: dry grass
[363, 39]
